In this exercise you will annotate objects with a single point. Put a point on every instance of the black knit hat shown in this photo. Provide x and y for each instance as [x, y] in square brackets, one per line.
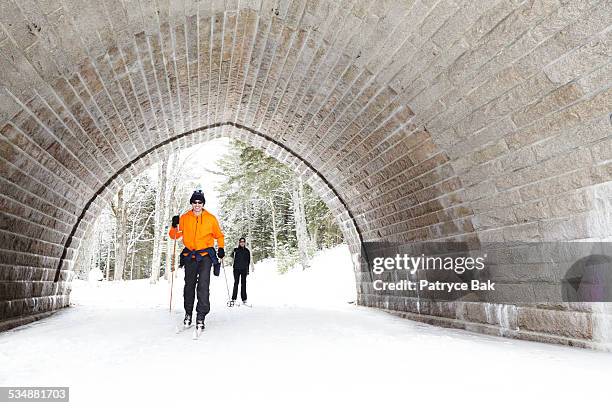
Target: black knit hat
[197, 195]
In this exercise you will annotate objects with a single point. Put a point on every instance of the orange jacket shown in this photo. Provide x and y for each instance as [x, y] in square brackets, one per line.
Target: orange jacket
[198, 232]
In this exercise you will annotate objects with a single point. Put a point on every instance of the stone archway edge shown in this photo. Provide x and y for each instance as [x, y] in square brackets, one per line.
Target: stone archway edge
[177, 137]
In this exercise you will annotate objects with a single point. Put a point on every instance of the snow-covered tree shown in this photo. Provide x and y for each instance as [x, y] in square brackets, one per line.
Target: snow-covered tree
[260, 199]
[161, 216]
[279, 214]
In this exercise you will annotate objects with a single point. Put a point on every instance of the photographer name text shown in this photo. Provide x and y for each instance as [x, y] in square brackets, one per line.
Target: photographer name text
[434, 286]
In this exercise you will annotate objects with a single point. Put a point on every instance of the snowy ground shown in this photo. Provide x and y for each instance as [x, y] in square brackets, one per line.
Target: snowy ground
[301, 344]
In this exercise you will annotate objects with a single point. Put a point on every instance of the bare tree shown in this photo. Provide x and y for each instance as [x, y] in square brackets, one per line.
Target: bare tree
[107, 264]
[136, 237]
[86, 254]
[126, 236]
[161, 211]
[301, 226]
[274, 226]
[119, 208]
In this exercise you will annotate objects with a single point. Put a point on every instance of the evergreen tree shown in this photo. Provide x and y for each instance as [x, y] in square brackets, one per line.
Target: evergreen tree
[264, 201]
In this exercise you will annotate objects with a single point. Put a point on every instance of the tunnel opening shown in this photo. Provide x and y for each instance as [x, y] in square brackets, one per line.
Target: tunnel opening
[327, 278]
[349, 228]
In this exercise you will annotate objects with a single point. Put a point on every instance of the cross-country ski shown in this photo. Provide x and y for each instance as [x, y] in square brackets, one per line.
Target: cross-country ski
[198, 330]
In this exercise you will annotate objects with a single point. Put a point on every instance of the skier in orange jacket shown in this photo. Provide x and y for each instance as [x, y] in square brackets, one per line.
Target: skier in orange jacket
[199, 230]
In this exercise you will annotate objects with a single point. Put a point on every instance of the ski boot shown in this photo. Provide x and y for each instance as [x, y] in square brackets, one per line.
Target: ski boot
[231, 303]
[199, 329]
[200, 325]
[187, 320]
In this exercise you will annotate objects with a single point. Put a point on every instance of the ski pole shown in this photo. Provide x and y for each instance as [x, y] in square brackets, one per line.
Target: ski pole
[172, 276]
[226, 285]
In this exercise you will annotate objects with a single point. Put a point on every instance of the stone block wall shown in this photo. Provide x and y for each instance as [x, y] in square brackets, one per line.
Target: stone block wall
[415, 120]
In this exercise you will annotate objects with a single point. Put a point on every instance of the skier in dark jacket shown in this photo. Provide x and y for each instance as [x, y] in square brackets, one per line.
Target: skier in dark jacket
[242, 260]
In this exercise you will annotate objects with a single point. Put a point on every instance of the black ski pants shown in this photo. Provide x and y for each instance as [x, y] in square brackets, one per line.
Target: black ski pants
[240, 275]
[197, 274]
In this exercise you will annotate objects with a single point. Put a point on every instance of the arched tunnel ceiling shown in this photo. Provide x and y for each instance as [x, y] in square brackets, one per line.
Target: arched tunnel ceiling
[431, 119]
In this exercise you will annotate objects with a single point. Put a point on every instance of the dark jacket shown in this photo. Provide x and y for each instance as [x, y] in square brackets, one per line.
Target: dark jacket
[242, 258]
[197, 255]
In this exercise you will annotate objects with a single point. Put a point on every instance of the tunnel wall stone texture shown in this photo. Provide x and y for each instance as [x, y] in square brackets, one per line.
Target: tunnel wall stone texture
[460, 120]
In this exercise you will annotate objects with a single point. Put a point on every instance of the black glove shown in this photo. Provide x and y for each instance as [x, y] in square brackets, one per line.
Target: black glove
[175, 221]
[220, 253]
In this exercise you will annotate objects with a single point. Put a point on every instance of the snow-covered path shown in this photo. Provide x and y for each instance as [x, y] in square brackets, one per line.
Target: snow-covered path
[118, 345]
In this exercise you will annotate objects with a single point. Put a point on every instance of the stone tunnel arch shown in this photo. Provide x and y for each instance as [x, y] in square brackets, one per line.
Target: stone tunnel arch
[432, 120]
[321, 186]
